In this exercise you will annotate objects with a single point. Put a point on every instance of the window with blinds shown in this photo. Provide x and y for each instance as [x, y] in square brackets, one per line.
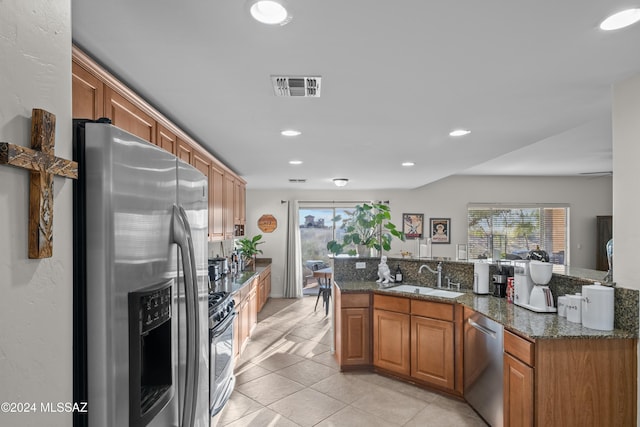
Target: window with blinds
[510, 232]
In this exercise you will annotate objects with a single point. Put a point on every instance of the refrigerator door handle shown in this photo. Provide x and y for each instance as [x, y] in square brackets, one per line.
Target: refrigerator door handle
[181, 232]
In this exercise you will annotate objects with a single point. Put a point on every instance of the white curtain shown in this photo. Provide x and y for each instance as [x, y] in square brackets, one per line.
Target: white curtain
[293, 267]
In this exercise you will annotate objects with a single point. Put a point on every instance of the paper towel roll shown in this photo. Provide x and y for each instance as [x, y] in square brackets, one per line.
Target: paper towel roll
[425, 249]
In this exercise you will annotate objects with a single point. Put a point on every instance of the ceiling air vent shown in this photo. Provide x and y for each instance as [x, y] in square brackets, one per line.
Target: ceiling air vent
[297, 180]
[308, 87]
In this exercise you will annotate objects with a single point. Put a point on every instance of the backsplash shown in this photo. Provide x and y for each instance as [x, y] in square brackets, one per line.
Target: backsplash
[626, 304]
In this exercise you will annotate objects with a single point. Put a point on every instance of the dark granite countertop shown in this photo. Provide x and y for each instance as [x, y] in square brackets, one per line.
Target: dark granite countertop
[232, 283]
[516, 319]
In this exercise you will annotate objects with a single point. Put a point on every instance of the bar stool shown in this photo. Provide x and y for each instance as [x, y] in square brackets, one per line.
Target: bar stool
[324, 290]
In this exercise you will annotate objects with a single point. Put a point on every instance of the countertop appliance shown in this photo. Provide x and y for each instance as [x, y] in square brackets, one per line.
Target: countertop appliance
[141, 353]
[483, 348]
[522, 283]
[541, 298]
[221, 351]
[481, 278]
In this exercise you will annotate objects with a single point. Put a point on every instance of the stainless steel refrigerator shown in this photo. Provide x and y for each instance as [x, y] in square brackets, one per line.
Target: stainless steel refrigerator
[141, 349]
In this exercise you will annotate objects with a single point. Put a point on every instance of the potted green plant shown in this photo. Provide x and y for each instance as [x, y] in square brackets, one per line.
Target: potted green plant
[248, 248]
[367, 227]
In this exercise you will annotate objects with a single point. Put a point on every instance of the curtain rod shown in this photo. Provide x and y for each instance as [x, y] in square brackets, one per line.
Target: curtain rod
[386, 202]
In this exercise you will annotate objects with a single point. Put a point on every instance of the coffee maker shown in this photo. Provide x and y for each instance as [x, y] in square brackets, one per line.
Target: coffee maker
[500, 279]
[530, 286]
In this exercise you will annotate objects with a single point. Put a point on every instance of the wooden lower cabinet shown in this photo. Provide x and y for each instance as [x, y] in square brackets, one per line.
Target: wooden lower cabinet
[432, 355]
[569, 382]
[247, 300]
[517, 392]
[352, 318]
[264, 288]
[416, 339]
[391, 341]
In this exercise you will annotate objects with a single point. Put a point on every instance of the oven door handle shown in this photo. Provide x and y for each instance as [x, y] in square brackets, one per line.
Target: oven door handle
[220, 328]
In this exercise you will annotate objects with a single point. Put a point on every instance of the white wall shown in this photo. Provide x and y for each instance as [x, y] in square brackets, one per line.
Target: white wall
[626, 203]
[448, 198]
[35, 295]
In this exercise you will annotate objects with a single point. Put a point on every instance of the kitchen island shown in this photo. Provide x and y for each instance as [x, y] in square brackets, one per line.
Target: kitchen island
[555, 372]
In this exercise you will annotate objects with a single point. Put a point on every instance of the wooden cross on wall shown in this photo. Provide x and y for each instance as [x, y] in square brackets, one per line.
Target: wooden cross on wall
[40, 160]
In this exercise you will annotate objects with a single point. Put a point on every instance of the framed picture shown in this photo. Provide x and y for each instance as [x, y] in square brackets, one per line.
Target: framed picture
[412, 225]
[440, 230]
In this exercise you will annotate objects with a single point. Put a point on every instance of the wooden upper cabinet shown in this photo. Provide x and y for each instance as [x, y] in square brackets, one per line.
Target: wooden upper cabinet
[96, 94]
[216, 203]
[166, 139]
[239, 203]
[184, 151]
[87, 94]
[125, 115]
[228, 197]
[202, 162]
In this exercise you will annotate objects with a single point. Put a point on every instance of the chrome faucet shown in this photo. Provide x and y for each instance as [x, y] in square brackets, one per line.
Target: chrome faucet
[437, 271]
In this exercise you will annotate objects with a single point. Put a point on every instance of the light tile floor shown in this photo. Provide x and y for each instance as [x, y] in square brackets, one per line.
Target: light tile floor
[287, 376]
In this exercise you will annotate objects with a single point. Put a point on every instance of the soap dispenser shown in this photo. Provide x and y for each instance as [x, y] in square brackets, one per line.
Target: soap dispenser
[398, 276]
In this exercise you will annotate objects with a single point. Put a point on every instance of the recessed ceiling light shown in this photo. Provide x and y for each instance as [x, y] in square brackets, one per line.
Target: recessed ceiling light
[290, 132]
[271, 12]
[621, 20]
[407, 164]
[340, 182]
[295, 162]
[459, 132]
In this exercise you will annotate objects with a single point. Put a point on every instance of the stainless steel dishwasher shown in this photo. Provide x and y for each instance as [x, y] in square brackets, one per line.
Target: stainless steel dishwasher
[483, 347]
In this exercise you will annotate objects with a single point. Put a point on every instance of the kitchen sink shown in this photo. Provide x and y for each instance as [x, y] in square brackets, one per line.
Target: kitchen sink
[421, 290]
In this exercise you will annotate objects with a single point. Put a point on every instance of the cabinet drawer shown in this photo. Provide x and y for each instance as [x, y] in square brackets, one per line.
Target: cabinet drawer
[434, 310]
[519, 348]
[355, 301]
[398, 304]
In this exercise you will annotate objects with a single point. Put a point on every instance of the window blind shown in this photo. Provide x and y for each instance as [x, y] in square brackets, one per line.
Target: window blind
[511, 231]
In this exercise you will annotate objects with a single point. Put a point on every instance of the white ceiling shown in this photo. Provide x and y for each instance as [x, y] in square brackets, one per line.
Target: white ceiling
[531, 80]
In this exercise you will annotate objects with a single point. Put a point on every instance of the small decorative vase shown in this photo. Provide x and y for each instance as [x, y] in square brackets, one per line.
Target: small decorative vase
[363, 251]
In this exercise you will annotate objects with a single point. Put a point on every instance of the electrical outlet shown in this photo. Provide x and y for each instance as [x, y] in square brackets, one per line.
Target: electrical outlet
[361, 265]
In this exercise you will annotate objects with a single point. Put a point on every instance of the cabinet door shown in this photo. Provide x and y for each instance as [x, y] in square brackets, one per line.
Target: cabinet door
[237, 327]
[391, 341]
[245, 322]
[267, 286]
[216, 203]
[228, 193]
[202, 162]
[432, 356]
[125, 115]
[518, 393]
[166, 139]
[355, 332]
[261, 293]
[239, 203]
[184, 151]
[87, 92]
[253, 305]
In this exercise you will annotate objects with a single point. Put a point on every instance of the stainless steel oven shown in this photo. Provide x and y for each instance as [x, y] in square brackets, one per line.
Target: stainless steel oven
[221, 354]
